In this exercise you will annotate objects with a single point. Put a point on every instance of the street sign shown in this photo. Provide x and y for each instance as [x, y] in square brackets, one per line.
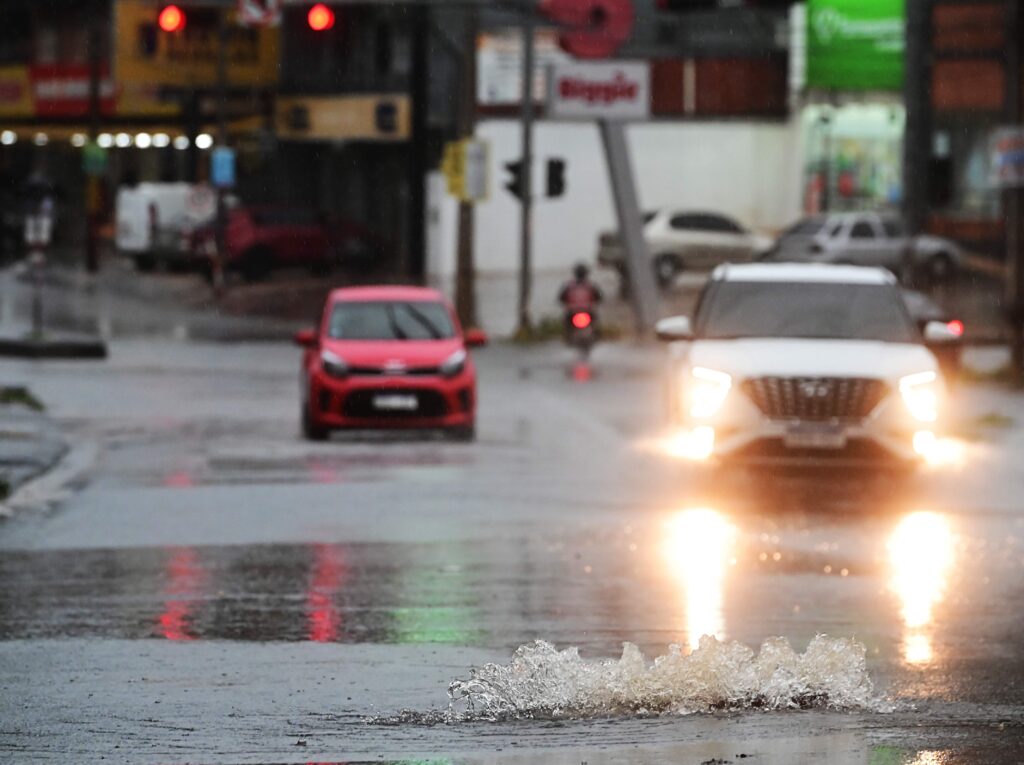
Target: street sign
[222, 167]
[201, 203]
[465, 167]
[606, 90]
[259, 13]
[38, 229]
[94, 159]
[1008, 157]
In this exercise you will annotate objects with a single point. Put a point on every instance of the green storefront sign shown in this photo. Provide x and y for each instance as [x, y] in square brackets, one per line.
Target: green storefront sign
[855, 44]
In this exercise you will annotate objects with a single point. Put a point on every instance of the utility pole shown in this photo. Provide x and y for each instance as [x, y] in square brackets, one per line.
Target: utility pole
[465, 270]
[917, 138]
[419, 140]
[93, 181]
[1013, 196]
[526, 221]
[222, 141]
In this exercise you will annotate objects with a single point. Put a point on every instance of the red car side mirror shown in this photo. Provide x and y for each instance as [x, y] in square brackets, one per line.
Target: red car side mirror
[474, 338]
[306, 338]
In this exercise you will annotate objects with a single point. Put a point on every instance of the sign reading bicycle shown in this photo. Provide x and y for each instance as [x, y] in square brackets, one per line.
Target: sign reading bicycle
[604, 90]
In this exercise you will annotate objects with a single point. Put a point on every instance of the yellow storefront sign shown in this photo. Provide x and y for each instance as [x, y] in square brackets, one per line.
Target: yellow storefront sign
[15, 92]
[382, 117]
[147, 59]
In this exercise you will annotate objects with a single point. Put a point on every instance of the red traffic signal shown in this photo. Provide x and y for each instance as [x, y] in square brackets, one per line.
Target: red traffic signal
[320, 18]
[171, 19]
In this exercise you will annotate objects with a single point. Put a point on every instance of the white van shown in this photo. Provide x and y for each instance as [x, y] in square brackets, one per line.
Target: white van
[153, 221]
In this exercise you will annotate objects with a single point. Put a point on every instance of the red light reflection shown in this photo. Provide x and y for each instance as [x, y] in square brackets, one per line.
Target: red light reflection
[328, 577]
[582, 372]
[185, 578]
[956, 327]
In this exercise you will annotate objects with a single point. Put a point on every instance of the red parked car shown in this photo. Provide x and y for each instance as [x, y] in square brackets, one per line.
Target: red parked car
[261, 238]
[391, 357]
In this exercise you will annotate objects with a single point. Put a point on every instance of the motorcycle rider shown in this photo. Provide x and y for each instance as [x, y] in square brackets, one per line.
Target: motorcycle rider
[580, 294]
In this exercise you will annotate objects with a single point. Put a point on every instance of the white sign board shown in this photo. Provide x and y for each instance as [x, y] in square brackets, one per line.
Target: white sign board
[499, 65]
[475, 182]
[259, 13]
[1008, 157]
[603, 90]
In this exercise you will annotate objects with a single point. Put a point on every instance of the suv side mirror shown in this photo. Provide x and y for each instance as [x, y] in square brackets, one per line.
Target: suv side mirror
[940, 333]
[673, 328]
[474, 338]
[305, 338]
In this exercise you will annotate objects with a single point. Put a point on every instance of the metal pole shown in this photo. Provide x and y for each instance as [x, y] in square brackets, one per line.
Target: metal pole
[917, 137]
[419, 140]
[222, 140]
[1014, 198]
[93, 184]
[627, 208]
[526, 221]
[465, 270]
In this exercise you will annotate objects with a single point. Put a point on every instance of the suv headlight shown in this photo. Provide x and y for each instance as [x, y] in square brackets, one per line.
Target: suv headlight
[706, 391]
[921, 395]
[333, 364]
[454, 364]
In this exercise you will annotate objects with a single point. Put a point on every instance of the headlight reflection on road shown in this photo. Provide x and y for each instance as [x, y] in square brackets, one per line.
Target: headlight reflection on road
[698, 548]
[920, 557]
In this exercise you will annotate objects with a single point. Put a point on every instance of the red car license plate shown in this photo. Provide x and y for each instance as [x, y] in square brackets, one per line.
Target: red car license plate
[395, 402]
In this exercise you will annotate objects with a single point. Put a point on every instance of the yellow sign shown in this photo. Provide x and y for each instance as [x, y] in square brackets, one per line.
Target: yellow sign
[15, 92]
[464, 165]
[382, 117]
[147, 59]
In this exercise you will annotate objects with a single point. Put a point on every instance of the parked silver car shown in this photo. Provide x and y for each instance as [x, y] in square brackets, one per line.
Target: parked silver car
[866, 239]
[679, 240]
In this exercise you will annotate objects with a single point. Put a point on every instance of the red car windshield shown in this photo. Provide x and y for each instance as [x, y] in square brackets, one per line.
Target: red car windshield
[390, 320]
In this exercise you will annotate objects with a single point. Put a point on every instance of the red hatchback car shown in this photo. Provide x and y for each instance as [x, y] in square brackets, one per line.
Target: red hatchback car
[388, 357]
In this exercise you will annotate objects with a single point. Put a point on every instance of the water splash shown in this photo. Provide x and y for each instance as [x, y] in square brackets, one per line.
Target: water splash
[541, 682]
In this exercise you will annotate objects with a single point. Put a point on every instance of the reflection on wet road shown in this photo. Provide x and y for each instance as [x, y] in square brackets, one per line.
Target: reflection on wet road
[921, 554]
[905, 584]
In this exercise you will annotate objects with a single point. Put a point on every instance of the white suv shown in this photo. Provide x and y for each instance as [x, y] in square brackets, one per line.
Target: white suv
[808, 363]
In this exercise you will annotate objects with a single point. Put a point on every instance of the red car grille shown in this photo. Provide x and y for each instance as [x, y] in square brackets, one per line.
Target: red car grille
[816, 398]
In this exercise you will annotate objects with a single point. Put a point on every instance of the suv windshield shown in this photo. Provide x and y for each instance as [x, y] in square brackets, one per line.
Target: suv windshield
[390, 320]
[805, 310]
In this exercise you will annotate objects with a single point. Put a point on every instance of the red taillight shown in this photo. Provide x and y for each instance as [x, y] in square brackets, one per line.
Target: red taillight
[956, 327]
[581, 320]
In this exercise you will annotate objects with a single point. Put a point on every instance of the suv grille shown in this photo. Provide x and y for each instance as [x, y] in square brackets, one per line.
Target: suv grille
[816, 398]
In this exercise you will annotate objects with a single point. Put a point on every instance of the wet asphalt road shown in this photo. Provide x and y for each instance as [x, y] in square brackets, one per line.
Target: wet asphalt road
[216, 590]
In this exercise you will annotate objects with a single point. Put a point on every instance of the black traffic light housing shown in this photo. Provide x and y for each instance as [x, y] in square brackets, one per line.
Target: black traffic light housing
[515, 183]
[555, 185]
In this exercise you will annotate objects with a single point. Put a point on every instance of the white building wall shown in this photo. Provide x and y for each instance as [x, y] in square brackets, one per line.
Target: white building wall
[750, 171]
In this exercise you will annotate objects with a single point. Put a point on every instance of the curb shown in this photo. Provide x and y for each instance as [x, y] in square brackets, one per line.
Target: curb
[67, 348]
[55, 483]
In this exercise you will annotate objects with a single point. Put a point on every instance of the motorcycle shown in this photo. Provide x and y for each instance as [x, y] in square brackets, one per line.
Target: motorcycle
[581, 331]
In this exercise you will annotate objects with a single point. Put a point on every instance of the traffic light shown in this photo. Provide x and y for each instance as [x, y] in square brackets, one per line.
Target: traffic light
[515, 184]
[556, 178]
[171, 19]
[320, 18]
